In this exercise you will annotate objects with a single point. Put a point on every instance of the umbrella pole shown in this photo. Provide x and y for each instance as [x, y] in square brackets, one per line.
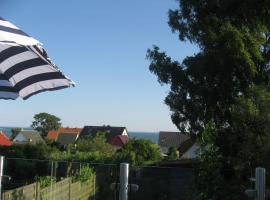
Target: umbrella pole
[123, 190]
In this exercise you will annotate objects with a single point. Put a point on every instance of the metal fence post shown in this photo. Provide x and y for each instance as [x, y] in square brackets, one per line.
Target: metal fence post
[260, 183]
[1, 174]
[123, 191]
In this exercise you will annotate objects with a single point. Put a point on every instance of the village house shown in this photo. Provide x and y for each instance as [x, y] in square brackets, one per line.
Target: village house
[116, 136]
[118, 141]
[64, 136]
[28, 137]
[189, 149]
[4, 141]
[170, 139]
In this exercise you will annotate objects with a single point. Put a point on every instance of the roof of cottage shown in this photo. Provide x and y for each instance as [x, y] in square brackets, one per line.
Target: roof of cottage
[185, 146]
[111, 131]
[67, 138]
[171, 139]
[28, 136]
[53, 134]
[4, 141]
[119, 140]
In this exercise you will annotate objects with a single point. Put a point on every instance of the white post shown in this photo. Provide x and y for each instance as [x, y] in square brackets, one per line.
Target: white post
[123, 191]
[1, 174]
[260, 183]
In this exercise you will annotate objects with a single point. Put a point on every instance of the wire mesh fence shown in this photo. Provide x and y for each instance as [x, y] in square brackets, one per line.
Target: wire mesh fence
[161, 183]
[46, 179]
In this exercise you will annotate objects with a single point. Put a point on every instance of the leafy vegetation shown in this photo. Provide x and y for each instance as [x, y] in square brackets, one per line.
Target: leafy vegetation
[139, 152]
[226, 84]
[209, 179]
[44, 122]
[14, 133]
[172, 153]
[85, 173]
[95, 143]
[45, 181]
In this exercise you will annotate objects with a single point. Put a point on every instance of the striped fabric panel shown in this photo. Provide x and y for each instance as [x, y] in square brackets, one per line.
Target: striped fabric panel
[8, 95]
[10, 32]
[7, 91]
[28, 72]
[42, 86]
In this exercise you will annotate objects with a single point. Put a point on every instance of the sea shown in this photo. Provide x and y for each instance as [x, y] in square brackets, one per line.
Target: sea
[152, 136]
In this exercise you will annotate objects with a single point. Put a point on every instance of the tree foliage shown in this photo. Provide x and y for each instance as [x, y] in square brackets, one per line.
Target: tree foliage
[14, 133]
[45, 181]
[209, 179]
[233, 55]
[85, 173]
[172, 153]
[226, 83]
[139, 151]
[96, 143]
[44, 122]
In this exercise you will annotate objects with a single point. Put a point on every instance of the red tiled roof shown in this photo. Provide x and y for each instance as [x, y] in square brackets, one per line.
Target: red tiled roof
[4, 141]
[119, 140]
[53, 134]
[70, 130]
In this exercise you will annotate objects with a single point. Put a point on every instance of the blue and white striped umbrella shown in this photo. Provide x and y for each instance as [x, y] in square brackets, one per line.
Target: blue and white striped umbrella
[25, 68]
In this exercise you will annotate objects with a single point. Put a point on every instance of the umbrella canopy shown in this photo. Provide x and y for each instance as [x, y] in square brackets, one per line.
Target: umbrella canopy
[25, 68]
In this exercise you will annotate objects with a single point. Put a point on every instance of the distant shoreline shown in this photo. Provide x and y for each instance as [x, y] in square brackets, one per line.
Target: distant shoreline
[152, 136]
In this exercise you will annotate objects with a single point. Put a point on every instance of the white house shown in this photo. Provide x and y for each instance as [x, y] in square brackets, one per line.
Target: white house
[189, 149]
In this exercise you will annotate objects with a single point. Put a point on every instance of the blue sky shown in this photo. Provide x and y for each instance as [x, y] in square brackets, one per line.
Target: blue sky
[101, 45]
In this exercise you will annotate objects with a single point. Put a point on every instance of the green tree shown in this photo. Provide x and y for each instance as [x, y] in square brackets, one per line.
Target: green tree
[96, 143]
[44, 122]
[233, 54]
[209, 181]
[172, 153]
[14, 133]
[225, 82]
[250, 141]
[139, 151]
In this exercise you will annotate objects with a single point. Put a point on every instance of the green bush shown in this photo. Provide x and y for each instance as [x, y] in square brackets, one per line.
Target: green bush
[139, 152]
[172, 153]
[45, 181]
[84, 174]
[95, 143]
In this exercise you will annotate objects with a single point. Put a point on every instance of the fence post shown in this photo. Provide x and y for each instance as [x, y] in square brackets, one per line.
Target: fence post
[123, 191]
[1, 174]
[70, 188]
[260, 183]
[37, 190]
[94, 189]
